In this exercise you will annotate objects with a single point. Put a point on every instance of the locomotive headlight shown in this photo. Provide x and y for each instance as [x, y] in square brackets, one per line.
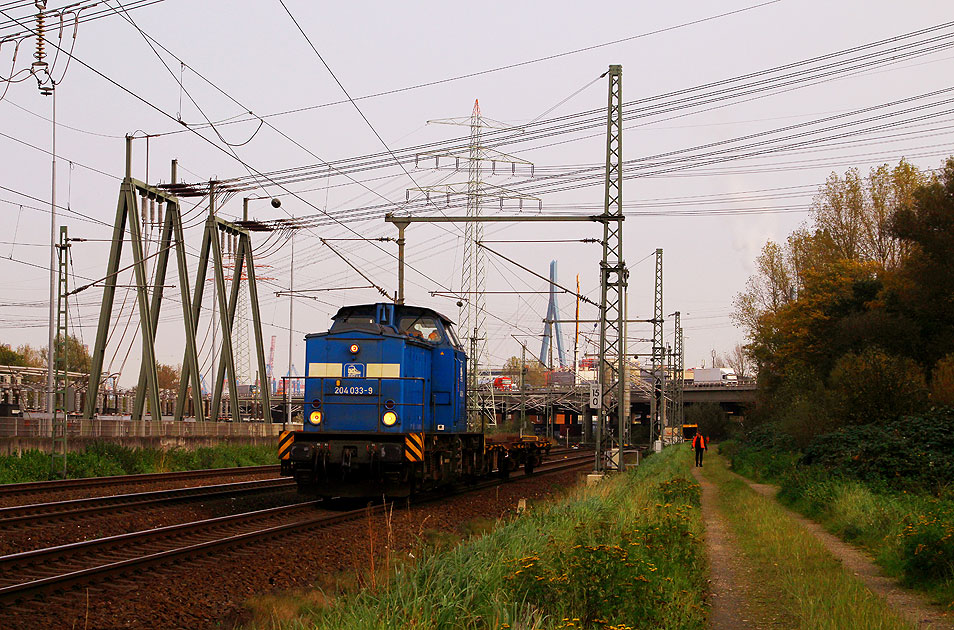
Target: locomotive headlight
[315, 417]
[389, 419]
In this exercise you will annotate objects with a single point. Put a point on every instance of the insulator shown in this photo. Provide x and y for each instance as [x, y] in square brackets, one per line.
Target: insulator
[540, 207]
[159, 213]
[417, 159]
[152, 210]
[457, 165]
[531, 170]
[222, 248]
[501, 203]
[521, 204]
[437, 161]
[235, 243]
[427, 196]
[493, 167]
[513, 168]
[407, 195]
[145, 218]
[448, 198]
[40, 53]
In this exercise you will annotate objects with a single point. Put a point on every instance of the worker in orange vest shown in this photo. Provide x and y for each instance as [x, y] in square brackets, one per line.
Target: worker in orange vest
[699, 443]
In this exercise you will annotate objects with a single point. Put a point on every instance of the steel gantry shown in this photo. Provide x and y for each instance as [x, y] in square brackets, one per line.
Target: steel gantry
[613, 280]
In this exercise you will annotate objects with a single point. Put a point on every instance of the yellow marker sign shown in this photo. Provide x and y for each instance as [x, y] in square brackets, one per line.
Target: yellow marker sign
[285, 441]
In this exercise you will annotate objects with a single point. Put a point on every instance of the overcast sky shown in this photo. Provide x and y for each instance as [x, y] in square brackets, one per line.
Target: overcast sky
[711, 219]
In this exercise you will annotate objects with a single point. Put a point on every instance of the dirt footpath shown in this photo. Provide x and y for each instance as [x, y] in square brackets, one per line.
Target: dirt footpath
[736, 599]
[727, 587]
[910, 605]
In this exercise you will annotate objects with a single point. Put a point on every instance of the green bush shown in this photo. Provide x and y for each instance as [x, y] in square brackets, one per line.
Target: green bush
[103, 459]
[915, 453]
[30, 466]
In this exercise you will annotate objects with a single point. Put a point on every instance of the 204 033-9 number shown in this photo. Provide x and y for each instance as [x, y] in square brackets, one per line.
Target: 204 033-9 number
[355, 390]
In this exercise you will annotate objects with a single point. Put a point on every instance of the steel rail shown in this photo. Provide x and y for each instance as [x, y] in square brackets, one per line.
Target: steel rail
[97, 482]
[20, 514]
[18, 592]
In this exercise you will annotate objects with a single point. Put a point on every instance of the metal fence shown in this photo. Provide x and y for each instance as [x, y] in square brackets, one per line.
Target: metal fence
[124, 427]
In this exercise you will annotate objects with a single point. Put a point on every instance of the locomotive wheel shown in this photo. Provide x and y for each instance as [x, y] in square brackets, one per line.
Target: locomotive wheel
[528, 466]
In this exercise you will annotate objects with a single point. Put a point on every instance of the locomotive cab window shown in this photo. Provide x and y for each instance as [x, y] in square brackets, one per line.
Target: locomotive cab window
[452, 336]
[421, 327]
[354, 319]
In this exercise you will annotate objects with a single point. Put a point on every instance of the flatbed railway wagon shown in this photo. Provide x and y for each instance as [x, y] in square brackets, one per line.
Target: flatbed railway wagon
[385, 410]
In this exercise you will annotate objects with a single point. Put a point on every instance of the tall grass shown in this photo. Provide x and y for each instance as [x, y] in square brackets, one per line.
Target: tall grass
[804, 584]
[102, 459]
[625, 553]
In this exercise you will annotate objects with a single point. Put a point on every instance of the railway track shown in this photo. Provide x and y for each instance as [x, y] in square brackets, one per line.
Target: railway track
[29, 574]
[27, 515]
[14, 489]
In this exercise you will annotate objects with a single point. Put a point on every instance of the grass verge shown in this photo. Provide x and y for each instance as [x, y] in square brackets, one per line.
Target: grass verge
[623, 554]
[810, 588]
[910, 535]
[103, 459]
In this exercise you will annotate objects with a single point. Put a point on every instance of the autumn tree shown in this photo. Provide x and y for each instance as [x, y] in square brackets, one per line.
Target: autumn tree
[168, 375]
[838, 211]
[766, 292]
[9, 356]
[77, 355]
[34, 357]
[534, 374]
[739, 360]
[925, 283]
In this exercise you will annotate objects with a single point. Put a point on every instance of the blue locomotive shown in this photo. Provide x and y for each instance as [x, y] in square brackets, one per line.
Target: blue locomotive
[385, 409]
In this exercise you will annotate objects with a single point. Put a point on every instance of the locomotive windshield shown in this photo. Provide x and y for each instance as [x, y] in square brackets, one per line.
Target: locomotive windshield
[422, 327]
[356, 318]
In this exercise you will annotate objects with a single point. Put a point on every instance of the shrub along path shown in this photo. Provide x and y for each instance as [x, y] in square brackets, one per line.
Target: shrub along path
[912, 606]
[783, 573]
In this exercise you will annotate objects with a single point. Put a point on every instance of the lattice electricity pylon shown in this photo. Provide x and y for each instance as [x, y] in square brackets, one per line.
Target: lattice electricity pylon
[680, 380]
[473, 266]
[60, 411]
[613, 278]
[659, 350]
[670, 385]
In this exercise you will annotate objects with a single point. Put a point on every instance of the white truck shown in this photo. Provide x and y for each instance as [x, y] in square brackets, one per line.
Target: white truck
[711, 376]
